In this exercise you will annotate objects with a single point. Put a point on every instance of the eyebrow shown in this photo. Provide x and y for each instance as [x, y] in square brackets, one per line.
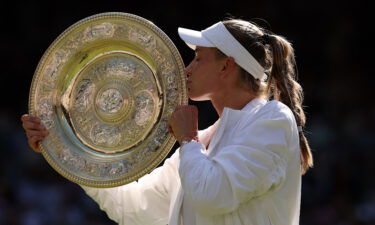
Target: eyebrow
[197, 51]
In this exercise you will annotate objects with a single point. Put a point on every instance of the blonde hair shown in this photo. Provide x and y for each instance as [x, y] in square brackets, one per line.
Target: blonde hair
[276, 55]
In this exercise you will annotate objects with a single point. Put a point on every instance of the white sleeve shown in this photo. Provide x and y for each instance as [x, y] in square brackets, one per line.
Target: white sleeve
[144, 202]
[252, 164]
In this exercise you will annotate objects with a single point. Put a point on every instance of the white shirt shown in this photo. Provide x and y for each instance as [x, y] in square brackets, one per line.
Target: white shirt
[250, 174]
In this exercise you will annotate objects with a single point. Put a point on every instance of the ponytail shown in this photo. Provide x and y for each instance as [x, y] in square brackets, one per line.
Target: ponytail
[283, 87]
[276, 55]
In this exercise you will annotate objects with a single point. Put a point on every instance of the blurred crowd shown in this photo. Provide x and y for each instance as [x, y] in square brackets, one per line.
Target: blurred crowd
[334, 70]
[32, 193]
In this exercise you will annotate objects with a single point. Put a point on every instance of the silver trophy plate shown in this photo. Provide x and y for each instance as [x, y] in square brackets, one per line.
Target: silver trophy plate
[105, 89]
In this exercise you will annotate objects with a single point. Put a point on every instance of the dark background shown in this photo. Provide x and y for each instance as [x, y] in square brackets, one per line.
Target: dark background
[332, 41]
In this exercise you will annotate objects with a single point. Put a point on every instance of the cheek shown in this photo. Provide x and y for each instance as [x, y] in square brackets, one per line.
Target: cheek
[190, 67]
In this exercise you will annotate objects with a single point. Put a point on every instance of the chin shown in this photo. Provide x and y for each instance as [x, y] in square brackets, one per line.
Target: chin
[198, 98]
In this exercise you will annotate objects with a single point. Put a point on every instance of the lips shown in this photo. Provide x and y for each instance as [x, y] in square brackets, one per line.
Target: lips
[188, 85]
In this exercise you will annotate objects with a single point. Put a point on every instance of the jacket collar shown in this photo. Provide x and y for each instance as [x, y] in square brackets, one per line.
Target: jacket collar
[230, 117]
[253, 105]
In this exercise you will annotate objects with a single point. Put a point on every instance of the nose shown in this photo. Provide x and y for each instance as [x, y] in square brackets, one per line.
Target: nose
[188, 69]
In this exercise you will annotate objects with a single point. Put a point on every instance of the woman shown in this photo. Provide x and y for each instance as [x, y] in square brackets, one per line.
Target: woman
[244, 169]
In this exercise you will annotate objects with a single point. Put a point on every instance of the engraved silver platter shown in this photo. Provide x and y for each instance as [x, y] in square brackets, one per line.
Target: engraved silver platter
[105, 89]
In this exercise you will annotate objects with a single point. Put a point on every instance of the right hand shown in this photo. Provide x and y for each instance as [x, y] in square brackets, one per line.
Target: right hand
[35, 131]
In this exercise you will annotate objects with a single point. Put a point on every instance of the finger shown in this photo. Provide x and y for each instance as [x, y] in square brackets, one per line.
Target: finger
[28, 125]
[191, 107]
[27, 117]
[178, 108]
[170, 121]
[186, 111]
[34, 143]
[169, 125]
[194, 109]
[170, 130]
[32, 133]
[36, 148]
[24, 117]
[183, 107]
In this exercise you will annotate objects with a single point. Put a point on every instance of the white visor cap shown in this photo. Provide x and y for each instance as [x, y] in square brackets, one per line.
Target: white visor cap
[219, 37]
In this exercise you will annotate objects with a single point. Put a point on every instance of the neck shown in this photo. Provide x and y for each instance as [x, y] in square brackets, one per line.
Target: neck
[235, 100]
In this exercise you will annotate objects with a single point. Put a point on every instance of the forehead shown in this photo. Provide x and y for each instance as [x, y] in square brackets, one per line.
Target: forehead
[209, 52]
[205, 50]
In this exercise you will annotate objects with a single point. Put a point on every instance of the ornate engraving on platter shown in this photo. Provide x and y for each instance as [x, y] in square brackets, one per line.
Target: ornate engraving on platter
[142, 37]
[72, 160]
[105, 135]
[123, 68]
[110, 101]
[46, 113]
[84, 91]
[145, 108]
[104, 29]
[105, 90]
[117, 168]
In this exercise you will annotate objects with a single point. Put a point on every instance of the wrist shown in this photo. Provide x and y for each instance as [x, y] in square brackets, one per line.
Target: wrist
[187, 139]
[187, 142]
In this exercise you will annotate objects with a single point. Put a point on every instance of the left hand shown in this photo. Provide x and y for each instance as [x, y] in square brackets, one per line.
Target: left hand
[183, 124]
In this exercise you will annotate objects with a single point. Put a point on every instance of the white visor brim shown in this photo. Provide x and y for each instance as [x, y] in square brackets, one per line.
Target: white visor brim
[194, 38]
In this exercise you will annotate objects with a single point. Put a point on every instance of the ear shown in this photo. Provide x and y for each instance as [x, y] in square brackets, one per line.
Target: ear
[229, 65]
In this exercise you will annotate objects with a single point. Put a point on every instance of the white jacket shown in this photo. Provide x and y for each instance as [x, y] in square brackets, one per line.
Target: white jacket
[249, 175]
